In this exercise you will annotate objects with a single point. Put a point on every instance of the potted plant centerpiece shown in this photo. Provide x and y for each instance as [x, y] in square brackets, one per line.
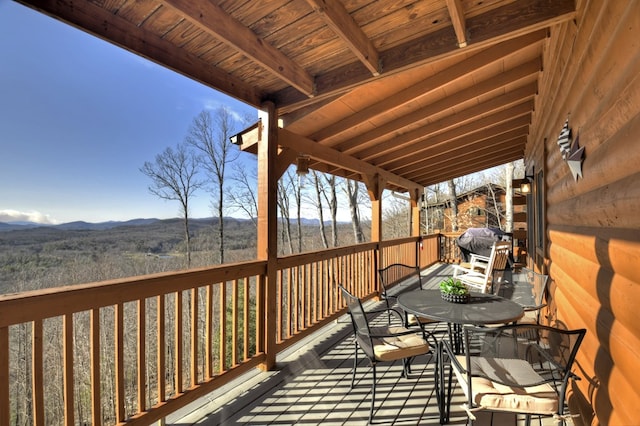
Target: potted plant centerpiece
[453, 290]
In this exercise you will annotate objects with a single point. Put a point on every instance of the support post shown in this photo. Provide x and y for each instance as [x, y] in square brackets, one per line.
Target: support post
[267, 230]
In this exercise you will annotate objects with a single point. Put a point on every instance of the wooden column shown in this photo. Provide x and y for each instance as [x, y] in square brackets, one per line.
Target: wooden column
[267, 229]
[414, 227]
[375, 186]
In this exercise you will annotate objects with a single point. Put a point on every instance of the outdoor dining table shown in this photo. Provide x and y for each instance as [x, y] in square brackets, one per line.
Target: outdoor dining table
[481, 309]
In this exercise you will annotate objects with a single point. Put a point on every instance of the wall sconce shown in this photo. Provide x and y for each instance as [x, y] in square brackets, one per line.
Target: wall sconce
[525, 185]
[302, 165]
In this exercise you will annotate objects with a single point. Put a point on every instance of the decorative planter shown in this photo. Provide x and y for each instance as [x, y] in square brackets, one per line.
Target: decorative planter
[455, 298]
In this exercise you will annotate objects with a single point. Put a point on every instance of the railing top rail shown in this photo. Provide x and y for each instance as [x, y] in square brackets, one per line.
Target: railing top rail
[46, 303]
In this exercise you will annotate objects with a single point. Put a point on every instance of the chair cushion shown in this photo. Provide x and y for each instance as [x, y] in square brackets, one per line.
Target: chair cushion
[538, 399]
[416, 320]
[397, 347]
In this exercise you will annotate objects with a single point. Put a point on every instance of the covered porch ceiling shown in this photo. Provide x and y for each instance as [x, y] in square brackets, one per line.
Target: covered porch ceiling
[420, 91]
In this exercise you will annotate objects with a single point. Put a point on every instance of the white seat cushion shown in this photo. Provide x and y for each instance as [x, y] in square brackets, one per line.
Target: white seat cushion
[538, 399]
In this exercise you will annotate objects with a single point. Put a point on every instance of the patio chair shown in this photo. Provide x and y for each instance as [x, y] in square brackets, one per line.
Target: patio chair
[394, 273]
[521, 369]
[381, 344]
[526, 288]
[484, 271]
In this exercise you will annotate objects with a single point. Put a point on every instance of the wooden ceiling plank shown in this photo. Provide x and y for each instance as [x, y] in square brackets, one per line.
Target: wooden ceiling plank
[473, 166]
[216, 22]
[519, 17]
[439, 44]
[443, 153]
[501, 102]
[447, 76]
[412, 153]
[457, 19]
[330, 156]
[358, 143]
[480, 156]
[339, 20]
[97, 21]
[481, 88]
[443, 159]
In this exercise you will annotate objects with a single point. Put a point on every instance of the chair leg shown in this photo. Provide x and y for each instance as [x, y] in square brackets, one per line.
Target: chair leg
[355, 364]
[373, 391]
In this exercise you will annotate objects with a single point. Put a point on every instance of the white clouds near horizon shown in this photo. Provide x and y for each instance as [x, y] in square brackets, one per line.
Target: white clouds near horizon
[8, 216]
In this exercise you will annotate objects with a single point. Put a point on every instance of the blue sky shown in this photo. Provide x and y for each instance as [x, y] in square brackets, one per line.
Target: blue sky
[79, 117]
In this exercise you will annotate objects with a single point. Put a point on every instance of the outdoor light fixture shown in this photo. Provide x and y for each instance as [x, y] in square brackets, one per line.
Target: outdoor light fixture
[302, 165]
[525, 185]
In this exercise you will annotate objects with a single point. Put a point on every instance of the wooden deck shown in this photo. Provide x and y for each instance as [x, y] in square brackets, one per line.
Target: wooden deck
[312, 386]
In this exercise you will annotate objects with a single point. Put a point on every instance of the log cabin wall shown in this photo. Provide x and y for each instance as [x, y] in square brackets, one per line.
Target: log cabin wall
[592, 224]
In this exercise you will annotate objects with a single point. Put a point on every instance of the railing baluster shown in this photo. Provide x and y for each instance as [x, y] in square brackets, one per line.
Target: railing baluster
[119, 361]
[234, 324]
[4, 375]
[142, 361]
[160, 355]
[247, 289]
[96, 401]
[68, 370]
[209, 333]
[194, 336]
[178, 343]
[37, 373]
[223, 326]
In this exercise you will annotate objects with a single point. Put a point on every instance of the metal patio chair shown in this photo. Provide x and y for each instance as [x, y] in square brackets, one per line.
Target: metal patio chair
[514, 368]
[382, 344]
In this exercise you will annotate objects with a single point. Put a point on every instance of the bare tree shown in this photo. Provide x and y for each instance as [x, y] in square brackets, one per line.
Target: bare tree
[284, 188]
[454, 205]
[331, 197]
[242, 196]
[173, 177]
[319, 190]
[210, 135]
[352, 190]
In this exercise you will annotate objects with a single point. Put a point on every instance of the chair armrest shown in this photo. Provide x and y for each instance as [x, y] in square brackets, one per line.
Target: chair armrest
[457, 270]
[445, 348]
[387, 310]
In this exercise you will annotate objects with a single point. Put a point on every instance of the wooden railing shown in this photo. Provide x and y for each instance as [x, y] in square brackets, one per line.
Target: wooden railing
[135, 350]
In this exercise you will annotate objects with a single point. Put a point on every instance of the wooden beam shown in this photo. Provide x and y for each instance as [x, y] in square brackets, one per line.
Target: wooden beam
[437, 81]
[507, 23]
[457, 19]
[338, 19]
[97, 21]
[338, 159]
[216, 22]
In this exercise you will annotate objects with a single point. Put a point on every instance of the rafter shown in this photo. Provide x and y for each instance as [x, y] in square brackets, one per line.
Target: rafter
[216, 22]
[339, 20]
[457, 19]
